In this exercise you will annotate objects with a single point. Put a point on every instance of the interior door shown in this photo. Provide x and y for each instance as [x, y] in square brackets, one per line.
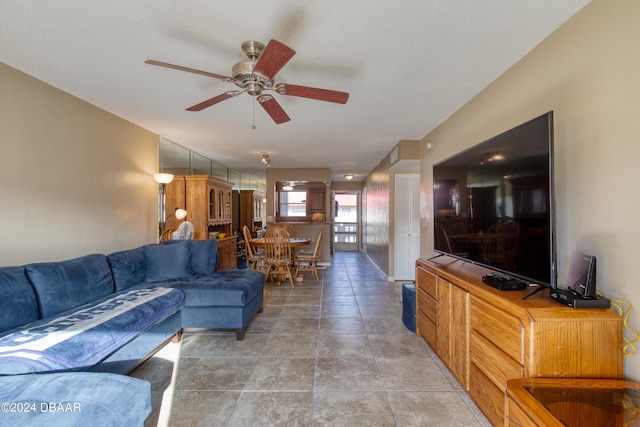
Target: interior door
[406, 225]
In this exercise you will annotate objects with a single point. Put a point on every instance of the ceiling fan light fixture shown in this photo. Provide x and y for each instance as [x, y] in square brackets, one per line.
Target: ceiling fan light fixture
[253, 88]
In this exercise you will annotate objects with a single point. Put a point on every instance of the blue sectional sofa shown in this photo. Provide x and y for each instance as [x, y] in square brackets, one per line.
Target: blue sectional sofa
[108, 313]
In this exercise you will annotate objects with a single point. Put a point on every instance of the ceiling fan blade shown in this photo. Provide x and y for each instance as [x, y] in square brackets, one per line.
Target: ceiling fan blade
[189, 70]
[212, 101]
[274, 109]
[274, 57]
[313, 93]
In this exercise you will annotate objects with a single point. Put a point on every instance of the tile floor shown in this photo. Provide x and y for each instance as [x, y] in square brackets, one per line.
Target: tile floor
[334, 353]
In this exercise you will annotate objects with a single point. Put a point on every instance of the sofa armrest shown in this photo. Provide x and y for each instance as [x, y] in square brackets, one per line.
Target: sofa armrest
[74, 399]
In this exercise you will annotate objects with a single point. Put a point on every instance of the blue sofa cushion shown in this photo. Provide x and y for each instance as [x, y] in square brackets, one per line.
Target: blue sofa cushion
[128, 267]
[166, 262]
[81, 338]
[78, 399]
[18, 303]
[224, 288]
[63, 285]
[204, 256]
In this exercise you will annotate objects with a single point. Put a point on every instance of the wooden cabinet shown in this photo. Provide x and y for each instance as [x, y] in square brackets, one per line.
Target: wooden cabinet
[453, 329]
[208, 202]
[251, 210]
[227, 253]
[487, 337]
[316, 202]
[442, 319]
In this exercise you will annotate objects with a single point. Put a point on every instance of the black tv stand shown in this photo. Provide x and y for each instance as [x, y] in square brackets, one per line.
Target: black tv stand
[533, 292]
[503, 282]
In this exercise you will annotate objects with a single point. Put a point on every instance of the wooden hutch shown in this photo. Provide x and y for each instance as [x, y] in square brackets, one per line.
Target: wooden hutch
[251, 211]
[208, 202]
[487, 337]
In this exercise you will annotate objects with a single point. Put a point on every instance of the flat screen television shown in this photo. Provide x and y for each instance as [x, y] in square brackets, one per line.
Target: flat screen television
[494, 203]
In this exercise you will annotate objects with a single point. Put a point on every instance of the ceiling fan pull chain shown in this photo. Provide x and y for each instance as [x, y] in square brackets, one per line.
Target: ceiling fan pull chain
[253, 108]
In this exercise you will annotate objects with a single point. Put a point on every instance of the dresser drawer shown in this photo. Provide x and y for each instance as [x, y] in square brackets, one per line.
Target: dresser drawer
[427, 305]
[493, 362]
[502, 329]
[427, 282]
[426, 329]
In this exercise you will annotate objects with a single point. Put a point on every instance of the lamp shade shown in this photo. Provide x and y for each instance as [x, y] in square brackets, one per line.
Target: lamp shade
[163, 178]
[180, 213]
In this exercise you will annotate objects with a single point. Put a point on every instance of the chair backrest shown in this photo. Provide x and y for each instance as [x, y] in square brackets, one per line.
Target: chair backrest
[277, 246]
[441, 239]
[247, 243]
[277, 232]
[499, 245]
[316, 250]
[289, 228]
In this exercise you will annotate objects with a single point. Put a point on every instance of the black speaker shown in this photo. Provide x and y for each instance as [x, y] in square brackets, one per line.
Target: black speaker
[582, 274]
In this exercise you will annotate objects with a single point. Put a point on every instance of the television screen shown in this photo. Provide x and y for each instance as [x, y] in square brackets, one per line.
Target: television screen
[494, 205]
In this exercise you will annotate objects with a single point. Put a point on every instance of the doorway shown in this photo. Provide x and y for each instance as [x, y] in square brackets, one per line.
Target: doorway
[346, 226]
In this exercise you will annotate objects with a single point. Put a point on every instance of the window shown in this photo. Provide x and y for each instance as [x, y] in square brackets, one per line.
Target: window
[293, 204]
[346, 208]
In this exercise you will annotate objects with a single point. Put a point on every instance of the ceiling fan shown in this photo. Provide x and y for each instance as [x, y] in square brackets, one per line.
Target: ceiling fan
[255, 77]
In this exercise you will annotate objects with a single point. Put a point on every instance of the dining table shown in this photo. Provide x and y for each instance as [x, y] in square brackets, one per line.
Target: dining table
[295, 243]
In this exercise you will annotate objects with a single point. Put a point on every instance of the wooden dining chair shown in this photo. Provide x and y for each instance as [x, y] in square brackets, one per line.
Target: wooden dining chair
[441, 239]
[290, 229]
[255, 260]
[309, 261]
[278, 255]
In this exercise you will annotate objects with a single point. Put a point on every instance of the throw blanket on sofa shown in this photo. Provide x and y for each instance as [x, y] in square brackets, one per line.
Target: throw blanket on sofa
[83, 337]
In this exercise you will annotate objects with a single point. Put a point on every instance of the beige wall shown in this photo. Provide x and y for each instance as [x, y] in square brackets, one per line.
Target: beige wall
[377, 215]
[74, 179]
[587, 72]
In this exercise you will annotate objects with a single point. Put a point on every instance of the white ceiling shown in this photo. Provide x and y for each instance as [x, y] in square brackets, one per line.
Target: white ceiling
[408, 65]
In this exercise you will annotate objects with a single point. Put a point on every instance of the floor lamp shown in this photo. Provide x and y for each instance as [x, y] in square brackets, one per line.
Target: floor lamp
[163, 179]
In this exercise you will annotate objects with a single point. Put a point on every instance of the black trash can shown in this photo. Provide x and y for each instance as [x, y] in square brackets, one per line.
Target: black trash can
[409, 306]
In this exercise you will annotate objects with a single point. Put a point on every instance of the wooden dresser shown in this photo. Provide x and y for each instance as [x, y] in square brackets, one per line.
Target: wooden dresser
[486, 336]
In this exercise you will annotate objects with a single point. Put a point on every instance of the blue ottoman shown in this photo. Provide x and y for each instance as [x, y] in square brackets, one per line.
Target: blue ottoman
[74, 399]
[409, 306]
